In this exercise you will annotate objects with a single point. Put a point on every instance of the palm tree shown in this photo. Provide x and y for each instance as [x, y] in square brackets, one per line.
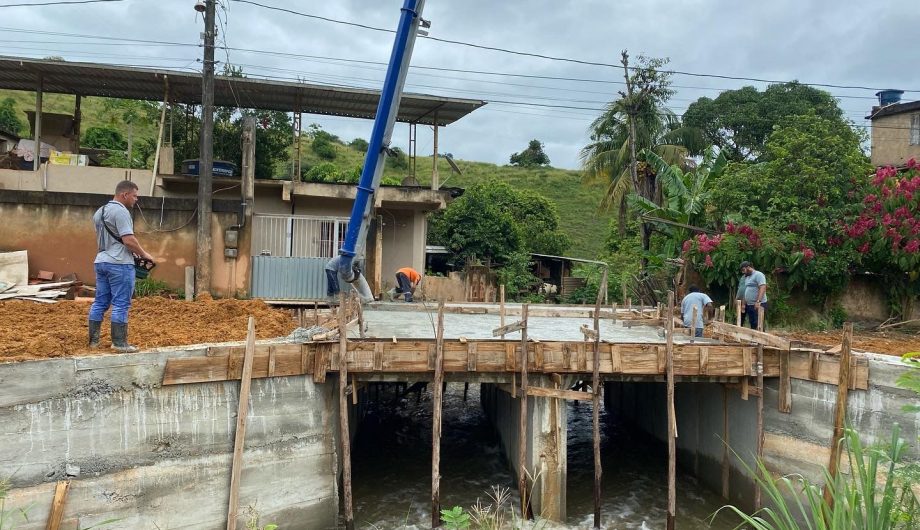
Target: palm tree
[607, 157]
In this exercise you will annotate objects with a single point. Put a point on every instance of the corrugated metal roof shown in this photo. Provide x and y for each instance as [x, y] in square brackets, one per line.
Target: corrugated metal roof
[92, 79]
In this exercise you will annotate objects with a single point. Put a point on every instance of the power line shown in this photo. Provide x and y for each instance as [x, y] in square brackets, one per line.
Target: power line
[556, 58]
[60, 3]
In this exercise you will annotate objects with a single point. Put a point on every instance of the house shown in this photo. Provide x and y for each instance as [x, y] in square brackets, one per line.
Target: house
[270, 237]
[895, 129]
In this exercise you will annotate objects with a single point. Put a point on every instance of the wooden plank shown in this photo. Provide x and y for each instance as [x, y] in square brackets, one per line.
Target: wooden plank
[749, 335]
[57, 505]
[726, 462]
[738, 309]
[704, 360]
[471, 356]
[241, 417]
[378, 356]
[437, 396]
[662, 353]
[271, 361]
[840, 410]
[344, 436]
[785, 385]
[538, 359]
[540, 391]
[510, 363]
[510, 328]
[759, 432]
[596, 400]
[616, 359]
[320, 364]
[582, 357]
[814, 360]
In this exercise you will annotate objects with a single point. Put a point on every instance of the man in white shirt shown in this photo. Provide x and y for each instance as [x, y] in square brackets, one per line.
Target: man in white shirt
[703, 305]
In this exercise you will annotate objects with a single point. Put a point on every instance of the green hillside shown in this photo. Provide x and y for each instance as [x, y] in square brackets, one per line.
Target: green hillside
[576, 201]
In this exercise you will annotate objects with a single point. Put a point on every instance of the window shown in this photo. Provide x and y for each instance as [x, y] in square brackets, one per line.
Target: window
[915, 129]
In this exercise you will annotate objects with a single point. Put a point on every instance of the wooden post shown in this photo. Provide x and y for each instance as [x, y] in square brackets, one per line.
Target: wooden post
[241, 415]
[203, 242]
[726, 462]
[57, 505]
[77, 122]
[760, 323]
[785, 384]
[345, 437]
[526, 511]
[315, 313]
[435, 178]
[840, 412]
[692, 323]
[672, 419]
[437, 396]
[758, 504]
[156, 153]
[360, 310]
[37, 136]
[738, 307]
[189, 283]
[596, 401]
[501, 307]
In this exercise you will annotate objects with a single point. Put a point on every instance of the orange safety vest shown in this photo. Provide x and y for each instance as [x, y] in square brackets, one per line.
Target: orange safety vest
[414, 277]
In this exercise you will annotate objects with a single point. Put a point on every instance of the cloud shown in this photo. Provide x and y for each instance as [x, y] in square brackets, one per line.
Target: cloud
[847, 42]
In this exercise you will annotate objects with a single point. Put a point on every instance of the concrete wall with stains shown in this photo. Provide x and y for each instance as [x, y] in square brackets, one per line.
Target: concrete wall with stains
[57, 231]
[160, 457]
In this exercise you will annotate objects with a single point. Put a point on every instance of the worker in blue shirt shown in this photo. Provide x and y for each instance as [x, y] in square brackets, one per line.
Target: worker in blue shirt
[752, 289]
[703, 305]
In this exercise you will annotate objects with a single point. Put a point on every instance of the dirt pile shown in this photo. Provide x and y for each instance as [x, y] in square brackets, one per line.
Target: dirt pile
[888, 342]
[32, 330]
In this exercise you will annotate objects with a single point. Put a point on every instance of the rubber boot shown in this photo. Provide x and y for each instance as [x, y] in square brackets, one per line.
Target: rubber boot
[120, 339]
[390, 295]
[94, 328]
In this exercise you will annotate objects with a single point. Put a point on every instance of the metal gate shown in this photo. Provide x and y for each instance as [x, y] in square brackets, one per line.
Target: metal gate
[289, 253]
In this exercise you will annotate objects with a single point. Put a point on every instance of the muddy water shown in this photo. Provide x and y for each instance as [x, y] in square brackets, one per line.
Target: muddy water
[392, 468]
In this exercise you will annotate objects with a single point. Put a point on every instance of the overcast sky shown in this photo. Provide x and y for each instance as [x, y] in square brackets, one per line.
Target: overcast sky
[841, 42]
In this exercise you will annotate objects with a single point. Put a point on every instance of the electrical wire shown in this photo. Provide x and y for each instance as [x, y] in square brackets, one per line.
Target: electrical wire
[60, 3]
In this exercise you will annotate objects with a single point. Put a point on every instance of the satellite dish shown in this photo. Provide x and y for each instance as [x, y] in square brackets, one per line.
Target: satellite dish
[453, 165]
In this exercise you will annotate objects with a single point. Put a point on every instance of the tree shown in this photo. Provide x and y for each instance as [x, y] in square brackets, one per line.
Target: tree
[740, 121]
[9, 119]
[637, 120]
[533, 156]
[492, 220]
[104, 137]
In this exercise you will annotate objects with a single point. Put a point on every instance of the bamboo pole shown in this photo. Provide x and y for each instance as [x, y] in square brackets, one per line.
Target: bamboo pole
[437, 396]
[526, 510]
[672, 419]
[241, 416]
[345, 437]
[596, 401]
[840, 412]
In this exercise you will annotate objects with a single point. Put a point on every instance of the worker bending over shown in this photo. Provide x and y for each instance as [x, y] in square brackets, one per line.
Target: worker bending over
[703, 305]
[407, 279]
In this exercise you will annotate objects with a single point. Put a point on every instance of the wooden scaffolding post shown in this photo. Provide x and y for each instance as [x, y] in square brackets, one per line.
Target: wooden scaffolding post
[501, 307]
[840, 412]
[758, 504]
[596, 400]
[241, 415]
[726, 455]
[526, 511]
[672, 419]
[57, 504]
[360, 310]
[437, 396]
[692, 323]
[760, 322]
[738, 307]
[344, 436]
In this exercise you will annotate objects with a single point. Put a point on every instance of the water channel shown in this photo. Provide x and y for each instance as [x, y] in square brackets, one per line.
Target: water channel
[392, 468]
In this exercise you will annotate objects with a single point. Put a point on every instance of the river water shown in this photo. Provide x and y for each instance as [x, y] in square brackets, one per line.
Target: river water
[391, 468]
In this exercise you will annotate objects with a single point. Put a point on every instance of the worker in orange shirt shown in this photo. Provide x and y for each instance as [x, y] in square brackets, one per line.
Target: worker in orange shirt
[407, 279]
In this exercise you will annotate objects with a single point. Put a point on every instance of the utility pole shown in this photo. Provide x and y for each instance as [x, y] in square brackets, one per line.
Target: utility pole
[206, 156]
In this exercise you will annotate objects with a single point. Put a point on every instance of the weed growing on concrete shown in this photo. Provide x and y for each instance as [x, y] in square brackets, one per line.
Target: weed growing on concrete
[874, 496]
[11, 518]
[252, 520]
[455, 518]
[491, 516]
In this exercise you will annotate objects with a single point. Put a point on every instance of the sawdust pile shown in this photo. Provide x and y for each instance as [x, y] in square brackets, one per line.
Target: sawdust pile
[31, 330]
[887, 342]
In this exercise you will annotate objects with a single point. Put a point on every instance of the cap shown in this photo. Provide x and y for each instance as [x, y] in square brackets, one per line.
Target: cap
[745, 264]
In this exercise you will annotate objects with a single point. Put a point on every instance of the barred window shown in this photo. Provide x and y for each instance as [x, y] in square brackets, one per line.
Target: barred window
[915, 129]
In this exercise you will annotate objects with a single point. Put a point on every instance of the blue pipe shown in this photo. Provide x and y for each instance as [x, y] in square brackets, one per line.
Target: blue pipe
[386, 115]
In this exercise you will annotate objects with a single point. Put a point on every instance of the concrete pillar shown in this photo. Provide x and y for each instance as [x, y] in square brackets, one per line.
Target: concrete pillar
[546, 436]
[37, 162]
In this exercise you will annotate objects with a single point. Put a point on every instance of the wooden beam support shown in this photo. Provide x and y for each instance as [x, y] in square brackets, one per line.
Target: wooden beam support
[510, 328]
[241, 417]
[344, 435]
[540, 391]
[596, 401]
[749, 335]
[437, 396]
[672, 419]
[526, 509]
[840, 411]
[759, 432]
[57, 504]
[784, 402]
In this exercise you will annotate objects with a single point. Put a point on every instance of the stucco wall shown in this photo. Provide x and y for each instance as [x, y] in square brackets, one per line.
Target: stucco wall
[891, 140]
[57, 231]
[159, 457]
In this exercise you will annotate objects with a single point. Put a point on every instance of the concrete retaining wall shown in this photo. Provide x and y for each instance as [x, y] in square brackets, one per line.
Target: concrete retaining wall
[159, 457]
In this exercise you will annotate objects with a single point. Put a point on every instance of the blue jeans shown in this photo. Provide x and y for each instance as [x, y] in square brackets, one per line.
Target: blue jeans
[332, 283]
[698, 332]
[404, 286]
[750, 313]
[114, 287]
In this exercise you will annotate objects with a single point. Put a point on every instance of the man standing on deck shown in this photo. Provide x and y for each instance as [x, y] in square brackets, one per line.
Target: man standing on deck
[703, 305]
[752, 290]
[114, 265]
